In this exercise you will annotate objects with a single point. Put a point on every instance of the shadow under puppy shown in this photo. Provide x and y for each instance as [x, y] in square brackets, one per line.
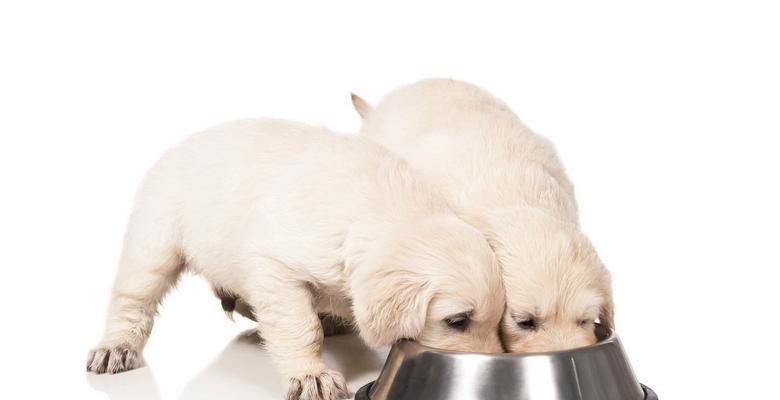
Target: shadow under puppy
[507, 181]
[297, 221]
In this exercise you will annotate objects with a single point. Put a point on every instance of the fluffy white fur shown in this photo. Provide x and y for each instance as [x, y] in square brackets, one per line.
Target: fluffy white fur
[296, 221]
[508, 182]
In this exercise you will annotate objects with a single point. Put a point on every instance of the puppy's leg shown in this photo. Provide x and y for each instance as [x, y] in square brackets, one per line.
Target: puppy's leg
[288, 321]
[150, 264]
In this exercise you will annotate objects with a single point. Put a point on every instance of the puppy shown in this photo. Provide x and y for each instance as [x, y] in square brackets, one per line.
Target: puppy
[296, 221]
[508, 182]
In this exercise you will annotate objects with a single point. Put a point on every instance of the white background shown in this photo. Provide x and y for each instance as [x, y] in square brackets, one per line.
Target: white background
[666, 114]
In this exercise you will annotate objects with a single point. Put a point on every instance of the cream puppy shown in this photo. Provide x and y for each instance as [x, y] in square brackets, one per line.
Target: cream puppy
[297, 221]
[508, 182]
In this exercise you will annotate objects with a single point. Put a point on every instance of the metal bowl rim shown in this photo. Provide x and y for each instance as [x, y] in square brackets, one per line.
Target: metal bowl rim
[609, 338]
[362, 393]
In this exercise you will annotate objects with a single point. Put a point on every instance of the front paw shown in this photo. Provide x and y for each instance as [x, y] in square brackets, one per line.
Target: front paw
[328, 385]
[113, 359]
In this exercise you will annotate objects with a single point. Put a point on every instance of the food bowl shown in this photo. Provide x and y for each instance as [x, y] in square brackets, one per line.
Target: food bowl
[597, 372]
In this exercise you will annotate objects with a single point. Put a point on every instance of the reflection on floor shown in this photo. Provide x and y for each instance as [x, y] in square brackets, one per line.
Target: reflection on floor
[243, 370]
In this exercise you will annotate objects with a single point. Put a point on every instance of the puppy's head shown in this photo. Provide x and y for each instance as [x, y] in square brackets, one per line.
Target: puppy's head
[557, 288]
[436, 282]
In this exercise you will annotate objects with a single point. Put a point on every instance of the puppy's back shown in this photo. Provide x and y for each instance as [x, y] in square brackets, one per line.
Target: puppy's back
[471, 144]
[274, 182]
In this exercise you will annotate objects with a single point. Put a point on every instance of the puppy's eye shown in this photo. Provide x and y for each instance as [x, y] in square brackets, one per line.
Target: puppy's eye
[527, 324]
[458, 323]
[585, 322]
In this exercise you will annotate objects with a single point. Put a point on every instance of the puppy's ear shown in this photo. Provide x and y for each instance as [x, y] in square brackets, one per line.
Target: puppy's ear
[390, 305]
[361, 106]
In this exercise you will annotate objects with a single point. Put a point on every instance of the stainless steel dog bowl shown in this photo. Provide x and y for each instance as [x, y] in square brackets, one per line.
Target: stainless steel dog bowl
[598, 372]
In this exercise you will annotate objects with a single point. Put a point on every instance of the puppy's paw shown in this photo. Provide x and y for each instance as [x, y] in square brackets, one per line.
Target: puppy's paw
[113, 359]
[329, 385]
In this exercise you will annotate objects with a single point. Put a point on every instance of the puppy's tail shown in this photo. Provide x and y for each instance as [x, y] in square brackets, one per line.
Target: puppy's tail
[362, 107]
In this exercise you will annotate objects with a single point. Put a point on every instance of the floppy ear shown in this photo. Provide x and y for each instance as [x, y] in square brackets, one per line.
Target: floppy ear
[361, 106]
[390, 305]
